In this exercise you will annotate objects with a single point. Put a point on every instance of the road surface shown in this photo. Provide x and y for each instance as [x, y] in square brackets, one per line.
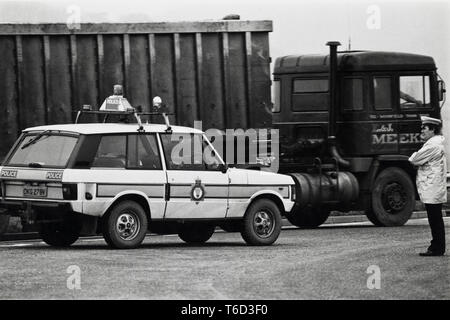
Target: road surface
[351, 261]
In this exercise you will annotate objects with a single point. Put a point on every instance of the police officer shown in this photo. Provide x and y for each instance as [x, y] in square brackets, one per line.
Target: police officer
[432, 181]
[116, 102]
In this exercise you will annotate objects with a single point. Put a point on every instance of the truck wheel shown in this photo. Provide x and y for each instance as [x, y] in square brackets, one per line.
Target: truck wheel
[196, 232]
[61, 233]
[262, 223]
[393, 198]
[308, 218]
[370, 213]
[125, 225]
[4, 223]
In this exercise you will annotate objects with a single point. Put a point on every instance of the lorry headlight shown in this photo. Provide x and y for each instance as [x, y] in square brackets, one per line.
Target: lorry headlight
[293, 193]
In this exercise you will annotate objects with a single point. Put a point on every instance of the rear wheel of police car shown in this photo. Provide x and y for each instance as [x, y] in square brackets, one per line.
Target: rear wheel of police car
[262, 223]
[125, 226]
[393, 198]
[196, 232]
[57, 231]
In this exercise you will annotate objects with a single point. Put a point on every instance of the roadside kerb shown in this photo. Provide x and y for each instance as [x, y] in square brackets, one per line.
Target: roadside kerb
[285, 224]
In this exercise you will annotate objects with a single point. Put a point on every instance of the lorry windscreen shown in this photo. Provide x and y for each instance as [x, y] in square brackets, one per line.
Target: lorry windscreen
[43, 149]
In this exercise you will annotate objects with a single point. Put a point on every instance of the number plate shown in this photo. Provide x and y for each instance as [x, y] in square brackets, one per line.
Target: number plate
[35, 192]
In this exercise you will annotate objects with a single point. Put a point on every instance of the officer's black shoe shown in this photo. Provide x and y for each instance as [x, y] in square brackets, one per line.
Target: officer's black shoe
[431, 254]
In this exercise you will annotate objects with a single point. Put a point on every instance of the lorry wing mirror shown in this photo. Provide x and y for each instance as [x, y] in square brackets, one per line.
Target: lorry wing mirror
[441, 90]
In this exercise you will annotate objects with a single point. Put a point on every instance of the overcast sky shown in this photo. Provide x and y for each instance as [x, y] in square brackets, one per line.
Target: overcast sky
[300, 26]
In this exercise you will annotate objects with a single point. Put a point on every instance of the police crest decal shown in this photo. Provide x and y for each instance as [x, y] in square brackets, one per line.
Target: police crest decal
[197, 191]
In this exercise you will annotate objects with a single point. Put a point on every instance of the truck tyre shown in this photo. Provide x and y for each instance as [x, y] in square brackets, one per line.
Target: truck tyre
[262, 223]
[393, 198]
[308, 218]
[196, 232]
[4, 223]
[125, 226]
[61, 233]
[370, 214]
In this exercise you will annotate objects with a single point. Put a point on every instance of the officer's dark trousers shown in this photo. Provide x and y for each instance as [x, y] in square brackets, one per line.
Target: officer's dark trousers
[434, 212]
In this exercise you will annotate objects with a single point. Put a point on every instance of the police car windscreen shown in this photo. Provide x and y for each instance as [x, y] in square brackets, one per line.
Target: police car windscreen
[48, 150]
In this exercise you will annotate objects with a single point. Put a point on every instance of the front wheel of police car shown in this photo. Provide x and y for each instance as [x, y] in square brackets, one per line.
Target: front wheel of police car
[262, 223]
[125, 226]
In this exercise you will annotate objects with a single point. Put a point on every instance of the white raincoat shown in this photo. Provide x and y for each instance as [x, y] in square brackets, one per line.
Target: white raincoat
[432, 173]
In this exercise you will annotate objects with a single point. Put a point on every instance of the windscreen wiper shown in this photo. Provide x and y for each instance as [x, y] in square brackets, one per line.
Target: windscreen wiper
[35, 165]
[35, 139]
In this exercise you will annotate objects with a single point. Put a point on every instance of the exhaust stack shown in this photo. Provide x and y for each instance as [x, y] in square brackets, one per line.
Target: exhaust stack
[333, 105]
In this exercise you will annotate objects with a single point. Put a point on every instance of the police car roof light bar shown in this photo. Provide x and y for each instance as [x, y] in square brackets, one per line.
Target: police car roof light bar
[163, 114]
[117, 104]
[127, 113]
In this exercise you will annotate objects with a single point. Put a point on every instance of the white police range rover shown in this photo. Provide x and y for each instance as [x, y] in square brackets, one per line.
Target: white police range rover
[123, 180]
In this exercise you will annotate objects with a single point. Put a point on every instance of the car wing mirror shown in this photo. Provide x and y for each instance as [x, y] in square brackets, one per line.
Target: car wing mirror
[441, 90]
[223, 168]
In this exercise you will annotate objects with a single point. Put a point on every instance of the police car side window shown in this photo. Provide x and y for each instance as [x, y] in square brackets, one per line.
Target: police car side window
[143, 152]
[111, 152]
[210, 158]
[183, 151]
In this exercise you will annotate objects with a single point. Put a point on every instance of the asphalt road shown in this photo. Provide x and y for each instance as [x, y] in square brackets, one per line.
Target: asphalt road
[332, 262]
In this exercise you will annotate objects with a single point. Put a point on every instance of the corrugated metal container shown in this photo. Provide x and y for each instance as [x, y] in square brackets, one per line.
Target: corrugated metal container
[217, 72]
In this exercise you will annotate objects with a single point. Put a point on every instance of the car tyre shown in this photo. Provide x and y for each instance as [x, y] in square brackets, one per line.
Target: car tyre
[4, 223]
[196, 232]
[308, 218]
[62, 233]
[125, 226]
[262, 223]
